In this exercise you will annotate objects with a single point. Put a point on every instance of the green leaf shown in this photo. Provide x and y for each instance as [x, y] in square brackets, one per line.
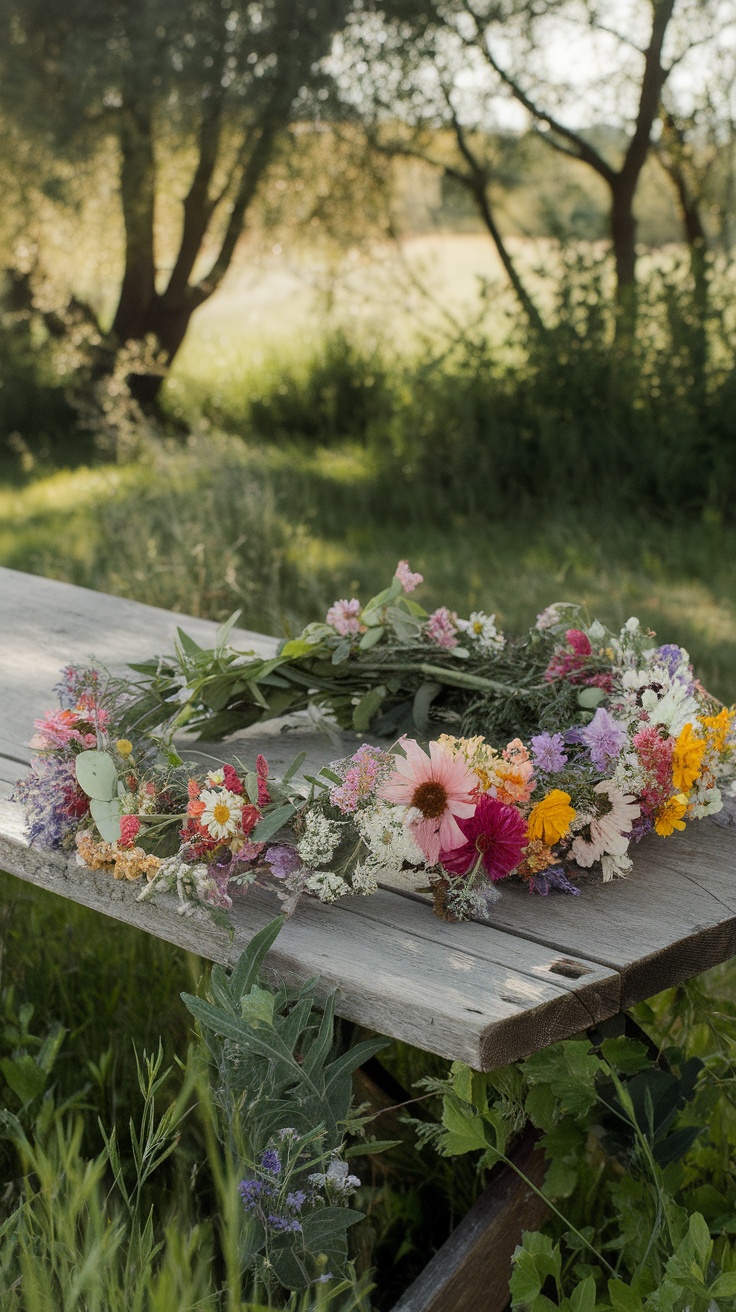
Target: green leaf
[296, 764]
[341, 653]
[97, 774]
[257, 1006]
[627, 1056]
[465, 1132]
[187, 644]
[367, 706]
[423, 698]
[582, 1298]
[371, 1147]
[296, 648]
[250, 961]
[106, 816]
[24, 1077]
[224, 631]
[589, 698]
[371, 637]
[272, 822]
[535, 1261]
[724, 1286]
[623, 1298]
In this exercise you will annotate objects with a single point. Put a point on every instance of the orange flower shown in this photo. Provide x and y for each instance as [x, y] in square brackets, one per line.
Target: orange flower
[717, 727]
[551, 818]
[669, 816]
[687, 759]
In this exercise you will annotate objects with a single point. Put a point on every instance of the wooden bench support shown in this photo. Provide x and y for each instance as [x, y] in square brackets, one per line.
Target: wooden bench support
[472, 1269]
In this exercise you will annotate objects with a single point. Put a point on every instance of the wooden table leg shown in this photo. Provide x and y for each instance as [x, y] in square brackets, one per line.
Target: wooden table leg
[473, 1268]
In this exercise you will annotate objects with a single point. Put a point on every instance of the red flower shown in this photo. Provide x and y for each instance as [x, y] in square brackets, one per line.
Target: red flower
[496, 832]
[262, 775]
[579, 641]
[129, 830]
[250, 817]
[232, 781]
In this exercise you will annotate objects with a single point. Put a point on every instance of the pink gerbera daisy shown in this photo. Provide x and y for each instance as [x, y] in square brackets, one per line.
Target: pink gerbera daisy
[437, 788]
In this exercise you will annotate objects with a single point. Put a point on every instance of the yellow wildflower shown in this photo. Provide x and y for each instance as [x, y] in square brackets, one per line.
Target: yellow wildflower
[551, 818]
[669, 816]
[717, 727]
[124, 746]
[687, 759]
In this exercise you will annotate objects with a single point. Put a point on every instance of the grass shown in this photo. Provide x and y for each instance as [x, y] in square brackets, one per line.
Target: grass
[280, 531]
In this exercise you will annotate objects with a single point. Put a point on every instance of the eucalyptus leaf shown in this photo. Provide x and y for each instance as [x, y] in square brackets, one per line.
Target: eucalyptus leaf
[589, 698]
[367, 706]
[97, 774]
[106, 814]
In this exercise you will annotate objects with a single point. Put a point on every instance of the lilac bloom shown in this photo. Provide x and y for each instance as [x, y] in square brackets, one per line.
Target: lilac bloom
[670, 656]
[604, 737]
[548, 753]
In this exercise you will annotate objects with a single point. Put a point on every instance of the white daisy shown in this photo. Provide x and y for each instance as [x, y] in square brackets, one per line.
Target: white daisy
[222, 812]
[482, 629]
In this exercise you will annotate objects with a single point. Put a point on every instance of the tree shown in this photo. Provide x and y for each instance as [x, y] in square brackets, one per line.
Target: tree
[471, 60]
[211, 82]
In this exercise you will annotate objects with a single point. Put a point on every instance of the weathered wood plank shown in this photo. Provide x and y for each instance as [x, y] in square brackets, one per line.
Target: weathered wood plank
[481, 1000]
[674, 917]
[473, 1268]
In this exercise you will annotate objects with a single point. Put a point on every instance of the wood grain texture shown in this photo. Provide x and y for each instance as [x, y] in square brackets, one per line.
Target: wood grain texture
[674, 917]
[466, 992]
[473, 1268]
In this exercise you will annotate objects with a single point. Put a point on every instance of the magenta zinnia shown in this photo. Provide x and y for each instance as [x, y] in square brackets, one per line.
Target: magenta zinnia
[437, 788]
[495, 833]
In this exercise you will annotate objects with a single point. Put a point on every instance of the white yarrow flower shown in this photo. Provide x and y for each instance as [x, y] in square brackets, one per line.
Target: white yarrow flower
[319, 840]
[326, 886]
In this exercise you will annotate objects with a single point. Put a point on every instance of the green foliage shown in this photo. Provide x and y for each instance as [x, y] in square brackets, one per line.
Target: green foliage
[628, 1138]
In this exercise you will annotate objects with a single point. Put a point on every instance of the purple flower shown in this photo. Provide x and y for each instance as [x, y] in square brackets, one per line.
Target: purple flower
[552, 878]
[53, 801]
[670, 656]
[548, 753]
[285, 1224]
[604, 737]
[250, 1191]
[641, 827]
[296, 1200]
[283, 859]
[271, 1162]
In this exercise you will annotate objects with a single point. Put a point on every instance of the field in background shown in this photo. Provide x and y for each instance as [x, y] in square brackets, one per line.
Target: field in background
[222, 525]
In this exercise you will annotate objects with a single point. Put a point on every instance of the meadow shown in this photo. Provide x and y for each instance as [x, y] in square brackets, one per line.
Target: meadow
[308, 442]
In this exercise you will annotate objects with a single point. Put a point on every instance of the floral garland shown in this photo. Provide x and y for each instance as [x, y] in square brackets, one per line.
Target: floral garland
[629, 742]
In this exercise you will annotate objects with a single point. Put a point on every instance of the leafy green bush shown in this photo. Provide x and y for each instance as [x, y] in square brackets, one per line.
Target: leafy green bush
[638, 1144]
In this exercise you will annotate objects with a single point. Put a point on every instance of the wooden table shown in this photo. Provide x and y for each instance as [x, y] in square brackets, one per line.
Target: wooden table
[485, 994]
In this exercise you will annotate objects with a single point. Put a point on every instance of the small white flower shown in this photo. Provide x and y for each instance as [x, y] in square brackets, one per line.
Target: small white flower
[615, 866]
[216, 778]
[482, 629]
[596, 632]
[364, 880]
[320, 838]
[385, 830]
[326, 886]
[707, 802]
[674, 710]
[632, 624]
[222, 812]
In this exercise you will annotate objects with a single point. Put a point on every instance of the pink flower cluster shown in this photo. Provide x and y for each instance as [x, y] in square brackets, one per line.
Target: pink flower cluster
[441, 627]
[344, 616]
[59, 728]
[655, 755]
[365, 770]
[407, 578]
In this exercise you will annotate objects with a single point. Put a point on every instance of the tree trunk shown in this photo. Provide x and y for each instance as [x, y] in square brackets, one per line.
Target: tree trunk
[623, 240]
[137, 193]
